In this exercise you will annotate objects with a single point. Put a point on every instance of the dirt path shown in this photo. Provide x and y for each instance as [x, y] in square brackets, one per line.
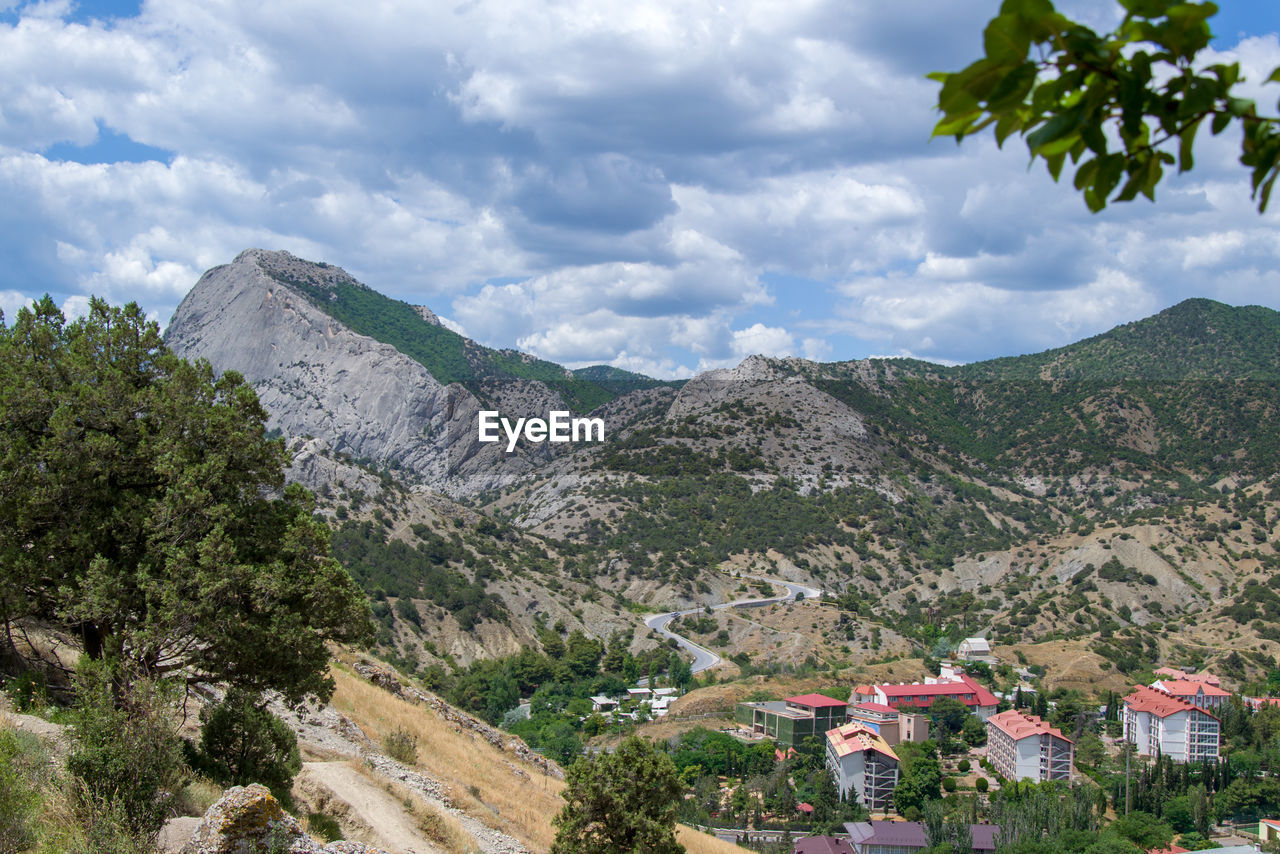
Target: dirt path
[391, 825]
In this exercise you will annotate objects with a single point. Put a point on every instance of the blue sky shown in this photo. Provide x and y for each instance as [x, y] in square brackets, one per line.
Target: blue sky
[667, 187]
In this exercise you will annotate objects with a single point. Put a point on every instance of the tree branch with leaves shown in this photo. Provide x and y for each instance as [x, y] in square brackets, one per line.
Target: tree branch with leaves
[1117, 105]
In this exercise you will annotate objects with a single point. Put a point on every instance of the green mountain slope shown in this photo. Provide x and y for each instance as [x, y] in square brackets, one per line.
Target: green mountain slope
[1193, 389]
[450, 357]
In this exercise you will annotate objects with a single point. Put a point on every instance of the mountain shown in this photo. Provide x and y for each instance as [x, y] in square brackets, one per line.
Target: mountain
[373, 378]
[1089, 495]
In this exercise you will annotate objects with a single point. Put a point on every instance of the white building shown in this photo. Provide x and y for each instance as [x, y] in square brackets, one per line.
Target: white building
[975, 649]
[1024, 747]
[864, 765]
[1158, 724]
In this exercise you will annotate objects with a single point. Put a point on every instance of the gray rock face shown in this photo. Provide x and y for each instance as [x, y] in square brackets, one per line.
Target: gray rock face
[317, 378]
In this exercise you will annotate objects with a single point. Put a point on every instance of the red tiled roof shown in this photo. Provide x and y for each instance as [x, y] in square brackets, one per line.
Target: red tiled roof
[965, 686]
[817, 701]
[857, 736]
[1175, 673]
[1172, 849]
[1158, 703]
[1188, 688]
[1019, 725]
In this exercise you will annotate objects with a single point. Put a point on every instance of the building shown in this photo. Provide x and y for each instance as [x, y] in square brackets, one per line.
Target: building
[975, 649]
[863, 764]
[1268, 829]
[921, 695]
[823, 845]
[792, 720]
[892, 725]
[1025, 747]
[1202, 694]
[1188, 674]
[905, 837]
[1158, 724]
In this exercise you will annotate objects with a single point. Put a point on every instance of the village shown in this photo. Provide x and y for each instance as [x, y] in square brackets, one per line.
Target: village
[982, 742]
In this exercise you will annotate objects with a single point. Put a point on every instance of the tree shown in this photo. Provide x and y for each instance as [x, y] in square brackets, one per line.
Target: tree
[620, 802]
[241, 742]
[143, 509]
[950, 713]
[921, 783]
[1070, 92]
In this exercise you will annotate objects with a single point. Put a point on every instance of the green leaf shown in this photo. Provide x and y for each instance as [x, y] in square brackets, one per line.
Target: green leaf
[1005, 41]
[1220, 122]
[1056, 127]
[1185, 141]
[1007, 124]
[1013, 89]
[1085, 174]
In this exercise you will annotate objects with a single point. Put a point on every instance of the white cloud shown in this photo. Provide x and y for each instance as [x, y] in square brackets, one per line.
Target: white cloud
[762, 340]
[630, 173]
[11, 302]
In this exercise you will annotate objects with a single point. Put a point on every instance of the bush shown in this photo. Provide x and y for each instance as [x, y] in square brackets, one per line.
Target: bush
[242, 743]
[401, 745]
[29, 691]
[18, 797]
[125, 749]
[324, 827]
[949, 784]
[981, 784]
[963, 766]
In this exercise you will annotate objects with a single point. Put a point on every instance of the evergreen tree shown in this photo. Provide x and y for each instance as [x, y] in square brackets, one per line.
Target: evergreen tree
[620, 802]
[143, 510]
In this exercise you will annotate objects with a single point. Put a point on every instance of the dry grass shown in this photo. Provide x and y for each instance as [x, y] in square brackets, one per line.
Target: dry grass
[480, 778]
[696, 842]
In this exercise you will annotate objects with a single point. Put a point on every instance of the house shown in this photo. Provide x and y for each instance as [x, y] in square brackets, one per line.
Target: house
[603, 704]
[823, 845]
[975, 649]
[1025, 747]
[1188, 674]
[904, 837]
[792, 720]
[863, 764]
[1158, 724]
[921, 695]
[893, 726]
[1201, 694]
[1268, 829]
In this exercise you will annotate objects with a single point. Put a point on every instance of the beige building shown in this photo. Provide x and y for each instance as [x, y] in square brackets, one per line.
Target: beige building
[1024, 747]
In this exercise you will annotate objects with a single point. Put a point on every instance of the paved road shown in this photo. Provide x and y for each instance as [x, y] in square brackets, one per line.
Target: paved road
[704, 658]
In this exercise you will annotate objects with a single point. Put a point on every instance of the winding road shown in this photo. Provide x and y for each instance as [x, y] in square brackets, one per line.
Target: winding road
[704, 658]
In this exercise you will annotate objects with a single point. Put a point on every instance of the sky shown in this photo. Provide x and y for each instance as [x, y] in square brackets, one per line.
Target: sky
[665, 187]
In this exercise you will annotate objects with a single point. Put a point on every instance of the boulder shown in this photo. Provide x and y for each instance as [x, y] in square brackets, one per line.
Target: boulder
[249, 820]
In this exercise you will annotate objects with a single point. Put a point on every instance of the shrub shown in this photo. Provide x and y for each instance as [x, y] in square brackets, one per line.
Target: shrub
[949, 784]
[18, 797]
[241, 742]
[125, 749]
[981, 784]
[401, 745]
[324, 826]
[963, 766]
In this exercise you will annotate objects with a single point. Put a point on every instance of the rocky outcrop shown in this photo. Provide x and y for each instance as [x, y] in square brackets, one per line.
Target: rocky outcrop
[318, 378]
[249, 820]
